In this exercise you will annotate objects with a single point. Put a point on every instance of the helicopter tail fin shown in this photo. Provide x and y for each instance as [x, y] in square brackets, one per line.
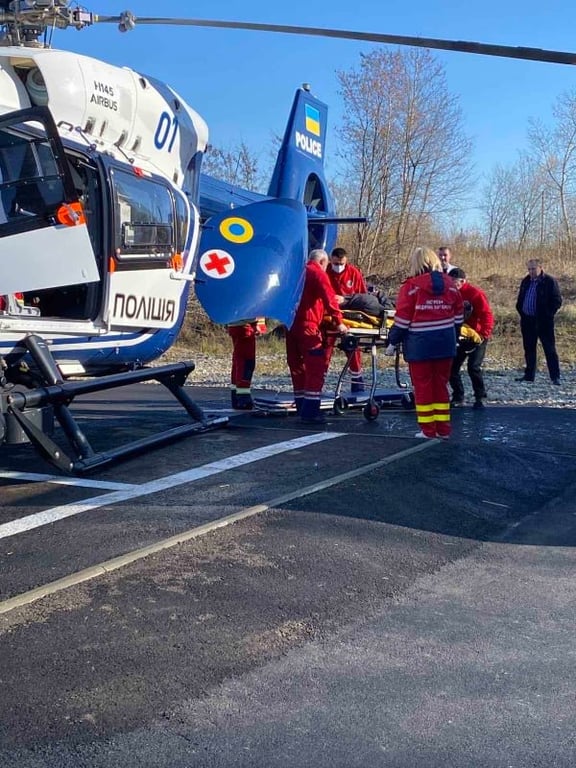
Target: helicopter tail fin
[299, 171]
[253, 248]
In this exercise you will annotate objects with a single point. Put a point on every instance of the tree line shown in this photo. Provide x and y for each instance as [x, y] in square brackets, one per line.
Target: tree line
[407, 164]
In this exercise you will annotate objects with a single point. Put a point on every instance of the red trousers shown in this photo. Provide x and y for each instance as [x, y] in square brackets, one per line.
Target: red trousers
[308, 362]
[430, 382]
[243, 355]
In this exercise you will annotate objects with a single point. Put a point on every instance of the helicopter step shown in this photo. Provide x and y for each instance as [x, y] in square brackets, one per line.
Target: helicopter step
[27, 415]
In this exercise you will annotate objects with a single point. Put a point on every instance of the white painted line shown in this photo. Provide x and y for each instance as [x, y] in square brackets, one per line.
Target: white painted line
[101, 569]
[80, 482]
[495, 504]
[154, 486]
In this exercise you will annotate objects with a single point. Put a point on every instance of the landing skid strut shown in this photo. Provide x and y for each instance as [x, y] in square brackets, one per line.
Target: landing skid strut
[23, 407]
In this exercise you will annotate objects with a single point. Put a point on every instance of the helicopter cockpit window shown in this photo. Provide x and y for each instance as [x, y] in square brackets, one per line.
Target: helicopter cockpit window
[182, 224]
[30, 183]
[193, 176]
[145, 214]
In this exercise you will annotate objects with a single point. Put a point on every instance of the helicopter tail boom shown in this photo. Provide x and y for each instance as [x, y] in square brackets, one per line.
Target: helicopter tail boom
[253, 247]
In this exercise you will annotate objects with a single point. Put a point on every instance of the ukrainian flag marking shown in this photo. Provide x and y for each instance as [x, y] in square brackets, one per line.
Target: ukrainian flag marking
[236, 230]
[312, 120]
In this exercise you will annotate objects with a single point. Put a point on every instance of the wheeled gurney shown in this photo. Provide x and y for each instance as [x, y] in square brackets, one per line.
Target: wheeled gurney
[366, 332]
[369, 333]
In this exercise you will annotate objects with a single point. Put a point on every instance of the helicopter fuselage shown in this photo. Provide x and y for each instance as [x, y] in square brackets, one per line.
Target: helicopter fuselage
[128, 149]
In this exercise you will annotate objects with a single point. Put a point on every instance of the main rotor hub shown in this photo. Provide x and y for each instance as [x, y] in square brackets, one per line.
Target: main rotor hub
[25, 21]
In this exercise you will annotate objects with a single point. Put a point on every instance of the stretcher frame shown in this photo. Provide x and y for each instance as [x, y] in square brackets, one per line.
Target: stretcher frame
[370, 340]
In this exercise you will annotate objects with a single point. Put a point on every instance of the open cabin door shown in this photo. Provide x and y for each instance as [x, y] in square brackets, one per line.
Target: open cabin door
[44, 241]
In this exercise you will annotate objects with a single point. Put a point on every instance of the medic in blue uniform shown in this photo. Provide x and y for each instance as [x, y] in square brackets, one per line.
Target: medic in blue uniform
[429, 313]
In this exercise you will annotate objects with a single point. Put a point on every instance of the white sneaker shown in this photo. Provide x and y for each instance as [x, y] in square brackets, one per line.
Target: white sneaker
[421, 434]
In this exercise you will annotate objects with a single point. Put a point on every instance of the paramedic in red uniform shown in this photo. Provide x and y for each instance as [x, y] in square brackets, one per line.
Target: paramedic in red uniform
[429, 313]
[481, 320]
[243, 338]
[347, 279]
[305, 352]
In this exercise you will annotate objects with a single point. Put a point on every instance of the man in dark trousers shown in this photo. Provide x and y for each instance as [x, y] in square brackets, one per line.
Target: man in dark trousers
[477, 329]
[306, 352]
[538, 301]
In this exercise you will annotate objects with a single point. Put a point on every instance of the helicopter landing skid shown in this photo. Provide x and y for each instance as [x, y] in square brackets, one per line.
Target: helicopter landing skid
[21, 409]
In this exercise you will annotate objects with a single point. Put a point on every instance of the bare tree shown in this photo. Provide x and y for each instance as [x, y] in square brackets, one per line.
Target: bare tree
[236, 165]
[531, 204]
[555, 150]
[497, 204]
[404, 151]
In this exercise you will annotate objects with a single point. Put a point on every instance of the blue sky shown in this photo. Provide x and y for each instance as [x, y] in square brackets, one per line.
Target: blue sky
[242, 82]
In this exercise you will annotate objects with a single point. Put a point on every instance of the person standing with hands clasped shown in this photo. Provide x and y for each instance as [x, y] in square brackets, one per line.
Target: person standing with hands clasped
[479, 324]
[538, 301]
[429, 312]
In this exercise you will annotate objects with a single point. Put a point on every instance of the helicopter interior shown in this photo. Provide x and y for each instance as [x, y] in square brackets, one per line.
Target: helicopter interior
[149, 222]
[31, 192]
[41, 198]
[149, 226]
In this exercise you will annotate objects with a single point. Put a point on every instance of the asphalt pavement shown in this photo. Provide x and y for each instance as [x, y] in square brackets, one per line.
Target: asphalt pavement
[413, 607]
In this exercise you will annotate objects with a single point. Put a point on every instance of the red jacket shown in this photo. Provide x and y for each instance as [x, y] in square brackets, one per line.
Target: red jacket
[318, 299]
[351, 280]
[481, 318]
[428, 310]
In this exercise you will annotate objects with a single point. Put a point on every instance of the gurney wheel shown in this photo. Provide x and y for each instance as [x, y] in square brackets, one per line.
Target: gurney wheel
[371, 410]
[340, 405]
[408, 401]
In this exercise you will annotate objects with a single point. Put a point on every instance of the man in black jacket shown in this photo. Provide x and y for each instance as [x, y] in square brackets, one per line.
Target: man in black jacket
[538, 301]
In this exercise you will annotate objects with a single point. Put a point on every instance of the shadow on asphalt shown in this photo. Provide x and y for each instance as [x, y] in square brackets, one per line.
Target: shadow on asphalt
[502, 464]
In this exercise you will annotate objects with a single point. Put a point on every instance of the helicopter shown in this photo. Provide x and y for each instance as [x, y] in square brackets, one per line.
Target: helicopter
[106, 221]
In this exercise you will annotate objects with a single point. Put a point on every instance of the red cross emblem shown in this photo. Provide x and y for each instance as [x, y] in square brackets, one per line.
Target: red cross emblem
[217, 264]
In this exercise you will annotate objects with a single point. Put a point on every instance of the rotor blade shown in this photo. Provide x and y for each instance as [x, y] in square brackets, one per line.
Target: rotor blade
[506, 51]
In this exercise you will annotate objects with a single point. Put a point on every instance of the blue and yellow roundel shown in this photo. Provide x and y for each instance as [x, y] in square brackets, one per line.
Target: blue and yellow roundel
[236, 230]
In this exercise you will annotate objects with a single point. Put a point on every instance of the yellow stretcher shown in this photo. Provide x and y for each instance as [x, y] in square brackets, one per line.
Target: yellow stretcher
[369, 333]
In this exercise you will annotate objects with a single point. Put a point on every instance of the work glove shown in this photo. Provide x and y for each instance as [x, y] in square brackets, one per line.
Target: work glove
[390, 350]
[469, 335]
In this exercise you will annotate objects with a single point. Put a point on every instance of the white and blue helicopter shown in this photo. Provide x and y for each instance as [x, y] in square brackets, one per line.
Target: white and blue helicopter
[106, 221]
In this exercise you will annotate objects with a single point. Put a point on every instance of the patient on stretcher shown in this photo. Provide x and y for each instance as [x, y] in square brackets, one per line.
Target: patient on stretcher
[364, 310]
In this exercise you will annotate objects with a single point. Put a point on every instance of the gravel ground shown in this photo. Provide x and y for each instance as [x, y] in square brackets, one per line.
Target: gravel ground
[271, 374]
